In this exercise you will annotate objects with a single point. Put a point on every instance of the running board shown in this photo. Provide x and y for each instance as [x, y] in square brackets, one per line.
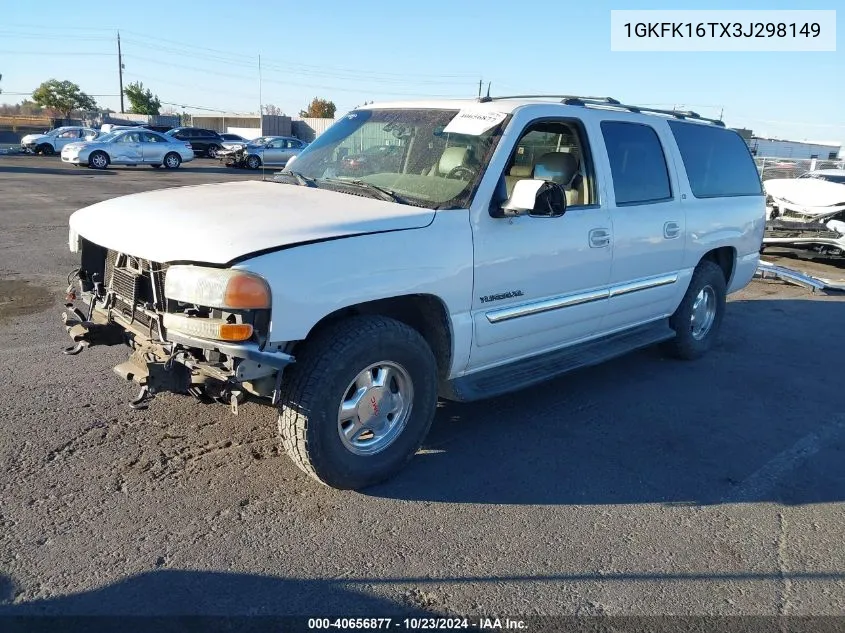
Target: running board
[767, 270]
[537, 369]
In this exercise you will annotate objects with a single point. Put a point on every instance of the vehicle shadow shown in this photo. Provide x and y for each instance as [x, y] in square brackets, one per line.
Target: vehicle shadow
[188, 600]
[55, 171]
[758, 419]
[206, 601]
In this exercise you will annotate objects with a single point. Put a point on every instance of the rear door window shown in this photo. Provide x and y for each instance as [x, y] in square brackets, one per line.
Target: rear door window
[717, 161]
[637, 163]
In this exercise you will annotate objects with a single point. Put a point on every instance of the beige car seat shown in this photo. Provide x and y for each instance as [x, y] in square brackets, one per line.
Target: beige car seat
[561, 168]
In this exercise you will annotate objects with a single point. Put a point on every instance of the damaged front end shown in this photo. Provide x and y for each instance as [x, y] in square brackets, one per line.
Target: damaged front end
[816, 232]
[232, 156]
[204, 332]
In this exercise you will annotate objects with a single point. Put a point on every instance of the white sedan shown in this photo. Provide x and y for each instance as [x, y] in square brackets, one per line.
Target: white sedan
[129, 147]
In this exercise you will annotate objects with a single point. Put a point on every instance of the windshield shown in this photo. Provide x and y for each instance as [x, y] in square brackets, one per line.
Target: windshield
[261, 140]
[405, 152]
[105, 138]
[831, 178]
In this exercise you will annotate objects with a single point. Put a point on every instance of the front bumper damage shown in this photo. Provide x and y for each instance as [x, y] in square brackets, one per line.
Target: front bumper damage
[165, 361]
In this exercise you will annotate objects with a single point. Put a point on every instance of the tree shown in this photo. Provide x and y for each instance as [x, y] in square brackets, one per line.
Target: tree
[273, 110]
[319, 109]
[141, 101]
[64, 96]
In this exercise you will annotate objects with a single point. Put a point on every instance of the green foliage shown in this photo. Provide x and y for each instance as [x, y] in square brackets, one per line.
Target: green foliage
[141, 101]
[319, 109]
[64, 96]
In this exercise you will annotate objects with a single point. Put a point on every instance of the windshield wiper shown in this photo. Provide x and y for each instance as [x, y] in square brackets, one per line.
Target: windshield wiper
[305, 181]
[382, 192]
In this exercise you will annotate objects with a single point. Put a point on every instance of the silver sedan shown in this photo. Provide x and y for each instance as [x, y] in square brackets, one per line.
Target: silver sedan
[129, 147]
[272, 151]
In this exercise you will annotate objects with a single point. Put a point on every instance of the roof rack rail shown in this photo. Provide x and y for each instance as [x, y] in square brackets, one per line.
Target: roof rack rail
[608, 100]
[678, 114]
[613, 103]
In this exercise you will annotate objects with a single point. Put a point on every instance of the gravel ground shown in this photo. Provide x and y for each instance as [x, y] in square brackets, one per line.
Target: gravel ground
[644, 486]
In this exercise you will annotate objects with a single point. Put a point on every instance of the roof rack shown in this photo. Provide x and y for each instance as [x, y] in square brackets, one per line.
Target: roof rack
[613, 103]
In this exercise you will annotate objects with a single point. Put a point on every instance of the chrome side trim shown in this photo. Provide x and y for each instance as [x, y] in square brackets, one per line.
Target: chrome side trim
[546, 305]
[567, 301]
[643, 284]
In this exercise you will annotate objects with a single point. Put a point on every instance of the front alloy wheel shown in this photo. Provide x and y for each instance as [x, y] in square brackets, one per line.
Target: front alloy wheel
[98, 160]
[359, 401]
[375, 408]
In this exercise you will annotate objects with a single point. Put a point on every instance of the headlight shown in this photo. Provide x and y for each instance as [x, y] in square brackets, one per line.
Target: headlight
[216, 288]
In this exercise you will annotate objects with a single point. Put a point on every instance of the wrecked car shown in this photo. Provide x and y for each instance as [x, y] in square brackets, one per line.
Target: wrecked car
[807, 213]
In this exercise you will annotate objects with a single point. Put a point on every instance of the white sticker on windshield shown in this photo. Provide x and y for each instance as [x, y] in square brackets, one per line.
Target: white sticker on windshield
[474, 122]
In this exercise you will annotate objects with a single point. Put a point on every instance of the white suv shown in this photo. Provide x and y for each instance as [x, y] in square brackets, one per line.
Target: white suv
[506, 241]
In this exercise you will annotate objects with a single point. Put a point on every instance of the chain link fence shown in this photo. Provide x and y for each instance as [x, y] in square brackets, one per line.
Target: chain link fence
[792, 167]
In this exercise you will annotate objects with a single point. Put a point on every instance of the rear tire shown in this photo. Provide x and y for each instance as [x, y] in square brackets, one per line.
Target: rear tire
[330, 378]
[172, 160]
[98, 160]
[697, 320]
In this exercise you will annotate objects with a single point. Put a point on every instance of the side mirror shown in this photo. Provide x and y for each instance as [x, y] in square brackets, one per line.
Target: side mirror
[537, 198]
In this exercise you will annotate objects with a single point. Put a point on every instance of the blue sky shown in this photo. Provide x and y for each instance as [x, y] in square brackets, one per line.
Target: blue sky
[205, 54]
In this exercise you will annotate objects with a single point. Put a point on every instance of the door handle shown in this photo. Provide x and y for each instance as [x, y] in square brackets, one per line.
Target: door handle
[599, 238]
[671, 230]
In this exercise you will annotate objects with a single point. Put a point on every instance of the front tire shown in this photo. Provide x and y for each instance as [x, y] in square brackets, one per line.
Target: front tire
[697, 320]
[45, 149]
[253, 162]
[98, 160]
[211, 151]
[359, 401]
[172, 160]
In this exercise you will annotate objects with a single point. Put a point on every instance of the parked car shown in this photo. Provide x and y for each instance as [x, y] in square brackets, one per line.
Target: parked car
[53, 141]
[129, 147]
[236, 138]
[350, 304]
[270, 151]
[372, 160]
[205, 142]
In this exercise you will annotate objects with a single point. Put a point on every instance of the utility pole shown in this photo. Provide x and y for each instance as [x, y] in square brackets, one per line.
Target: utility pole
[260, 98]
[479, 87]
[120, 70]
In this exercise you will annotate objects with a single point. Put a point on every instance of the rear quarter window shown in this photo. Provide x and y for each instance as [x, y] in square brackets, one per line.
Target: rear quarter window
[717, 161]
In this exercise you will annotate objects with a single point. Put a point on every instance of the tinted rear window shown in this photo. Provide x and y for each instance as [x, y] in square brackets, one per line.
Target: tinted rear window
[637, 163]
[717, 161]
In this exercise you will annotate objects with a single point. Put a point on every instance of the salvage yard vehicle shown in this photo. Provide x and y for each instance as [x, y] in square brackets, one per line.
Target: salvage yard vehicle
[518, 238]
[269, 151]
[205, 142]
[53, 141]
[129, 147]
[807, 214]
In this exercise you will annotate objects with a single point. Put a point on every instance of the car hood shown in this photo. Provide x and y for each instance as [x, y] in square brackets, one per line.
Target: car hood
[219, 223]
[806, 192]
[34, 138]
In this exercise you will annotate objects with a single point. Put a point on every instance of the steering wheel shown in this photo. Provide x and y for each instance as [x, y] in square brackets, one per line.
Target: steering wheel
[461, 172]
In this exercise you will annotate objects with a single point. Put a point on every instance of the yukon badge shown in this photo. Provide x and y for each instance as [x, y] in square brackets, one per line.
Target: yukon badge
[499, 297]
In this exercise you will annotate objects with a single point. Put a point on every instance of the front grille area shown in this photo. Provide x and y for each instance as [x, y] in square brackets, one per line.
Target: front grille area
[132, 280]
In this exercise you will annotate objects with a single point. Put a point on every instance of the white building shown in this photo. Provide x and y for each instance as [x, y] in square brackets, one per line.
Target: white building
[776, 148]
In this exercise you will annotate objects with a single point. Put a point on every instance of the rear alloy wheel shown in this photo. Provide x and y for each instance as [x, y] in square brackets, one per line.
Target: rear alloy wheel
[211, 151]
[45, 149]
[358, 402]
[253, 162]
[172, 160]
[696, 321]
[98, 160]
